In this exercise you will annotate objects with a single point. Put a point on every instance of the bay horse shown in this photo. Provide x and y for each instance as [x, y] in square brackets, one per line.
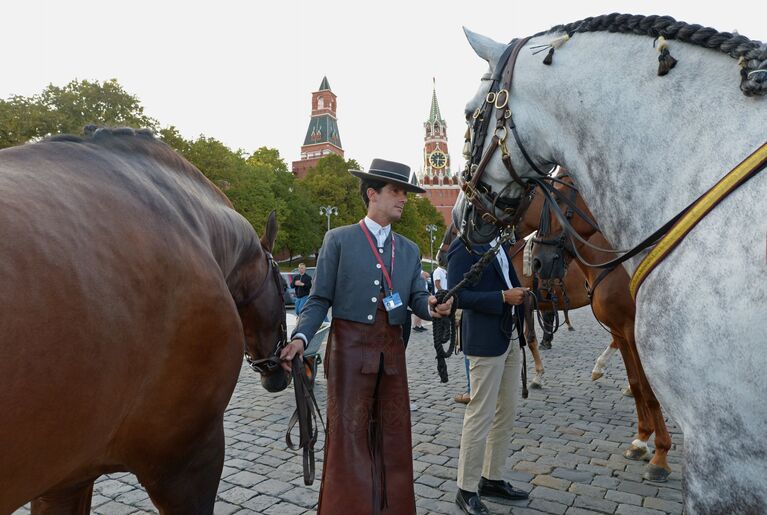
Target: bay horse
[614, 308]
[571, 286]
[649, 114]
[131, 288]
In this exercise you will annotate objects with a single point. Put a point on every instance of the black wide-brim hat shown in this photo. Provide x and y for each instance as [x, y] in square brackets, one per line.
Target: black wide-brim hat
[391, 172]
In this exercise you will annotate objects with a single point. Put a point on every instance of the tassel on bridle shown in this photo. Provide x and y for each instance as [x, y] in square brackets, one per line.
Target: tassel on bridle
[665, 60]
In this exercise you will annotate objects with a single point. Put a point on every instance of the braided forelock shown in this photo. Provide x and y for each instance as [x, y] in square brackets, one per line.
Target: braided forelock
[753, 52]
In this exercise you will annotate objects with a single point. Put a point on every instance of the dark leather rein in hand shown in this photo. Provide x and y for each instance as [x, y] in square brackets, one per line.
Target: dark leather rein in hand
[306, 414]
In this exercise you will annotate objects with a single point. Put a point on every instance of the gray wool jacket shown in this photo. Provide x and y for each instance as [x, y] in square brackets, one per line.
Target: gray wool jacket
[349, 279]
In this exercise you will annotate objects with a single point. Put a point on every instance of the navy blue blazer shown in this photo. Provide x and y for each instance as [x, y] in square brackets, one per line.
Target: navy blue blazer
[487, 322]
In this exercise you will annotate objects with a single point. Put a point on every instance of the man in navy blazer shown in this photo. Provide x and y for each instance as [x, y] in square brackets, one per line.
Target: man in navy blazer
[491, 310]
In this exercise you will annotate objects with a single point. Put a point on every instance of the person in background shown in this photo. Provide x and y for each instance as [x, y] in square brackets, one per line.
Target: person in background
[302, 283]
[417, 322]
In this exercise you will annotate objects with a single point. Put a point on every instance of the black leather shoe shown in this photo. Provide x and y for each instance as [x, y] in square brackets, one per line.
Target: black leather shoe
[470, 503]
[500, 489]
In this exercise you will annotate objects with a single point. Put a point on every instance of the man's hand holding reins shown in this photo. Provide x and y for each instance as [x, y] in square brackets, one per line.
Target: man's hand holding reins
[515, 296]
[294, 348]
[439, 310]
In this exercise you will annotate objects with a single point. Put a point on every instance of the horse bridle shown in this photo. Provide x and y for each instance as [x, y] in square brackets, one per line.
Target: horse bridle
[269, 364]
[486, 202]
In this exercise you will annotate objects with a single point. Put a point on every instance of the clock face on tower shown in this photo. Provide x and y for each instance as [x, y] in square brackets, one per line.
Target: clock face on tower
[438, 159]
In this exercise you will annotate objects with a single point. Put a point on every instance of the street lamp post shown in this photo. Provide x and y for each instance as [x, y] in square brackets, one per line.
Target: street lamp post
[327, 211]
[430, 229]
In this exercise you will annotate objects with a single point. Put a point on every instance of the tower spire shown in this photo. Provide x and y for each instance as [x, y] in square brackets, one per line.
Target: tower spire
[434, 114]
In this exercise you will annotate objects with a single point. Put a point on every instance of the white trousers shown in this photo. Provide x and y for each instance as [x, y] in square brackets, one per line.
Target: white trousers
[489, 417]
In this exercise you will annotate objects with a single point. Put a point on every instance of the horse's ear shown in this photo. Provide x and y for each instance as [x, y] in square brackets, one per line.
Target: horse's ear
[270, 234]
[485, 47]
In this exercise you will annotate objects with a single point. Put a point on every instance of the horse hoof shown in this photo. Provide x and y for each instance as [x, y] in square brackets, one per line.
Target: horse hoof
[636, 453]
[545, 345]
[656, 473]
[570, 328]
[596, 375]
[536, 385]
[627, 392]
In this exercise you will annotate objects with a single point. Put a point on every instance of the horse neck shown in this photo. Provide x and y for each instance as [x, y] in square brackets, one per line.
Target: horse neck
[641, 147]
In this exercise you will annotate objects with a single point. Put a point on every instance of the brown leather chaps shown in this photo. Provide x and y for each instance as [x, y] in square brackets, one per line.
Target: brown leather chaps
[368, 468]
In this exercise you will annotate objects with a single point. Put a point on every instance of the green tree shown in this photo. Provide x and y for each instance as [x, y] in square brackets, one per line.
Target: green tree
[419, 213]
[80, 103]
[68, 109]
[331, 184]
[299, 232]
[23, 119]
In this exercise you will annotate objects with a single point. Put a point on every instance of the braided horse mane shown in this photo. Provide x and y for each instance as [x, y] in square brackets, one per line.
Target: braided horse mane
[751, 54]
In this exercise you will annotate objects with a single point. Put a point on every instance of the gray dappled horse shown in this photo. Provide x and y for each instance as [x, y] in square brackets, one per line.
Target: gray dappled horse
[642, 147]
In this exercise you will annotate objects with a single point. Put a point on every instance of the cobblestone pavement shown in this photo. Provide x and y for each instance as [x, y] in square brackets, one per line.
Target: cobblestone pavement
[566, 451]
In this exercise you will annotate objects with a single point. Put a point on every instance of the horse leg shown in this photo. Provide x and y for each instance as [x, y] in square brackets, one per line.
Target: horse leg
[548, 328]
[567, 321]
[72, 500]
[638, 449]
[537, 381]
[603, 359]
[658, 469]
[532, 343]
[189, 483]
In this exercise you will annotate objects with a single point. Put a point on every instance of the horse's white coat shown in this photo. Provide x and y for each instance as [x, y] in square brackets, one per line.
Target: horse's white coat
[643, 147]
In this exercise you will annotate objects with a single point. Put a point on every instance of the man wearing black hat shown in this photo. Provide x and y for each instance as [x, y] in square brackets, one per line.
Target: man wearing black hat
[370, 275]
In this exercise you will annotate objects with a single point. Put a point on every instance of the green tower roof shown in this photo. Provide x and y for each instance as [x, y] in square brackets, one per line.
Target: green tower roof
[323, 129]
[325, 85]
[434, 114]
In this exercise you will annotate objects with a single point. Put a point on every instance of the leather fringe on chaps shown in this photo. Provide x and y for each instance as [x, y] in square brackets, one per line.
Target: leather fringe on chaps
[368, 463]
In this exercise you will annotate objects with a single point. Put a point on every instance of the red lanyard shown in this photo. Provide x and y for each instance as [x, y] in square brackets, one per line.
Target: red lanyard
[366, 232]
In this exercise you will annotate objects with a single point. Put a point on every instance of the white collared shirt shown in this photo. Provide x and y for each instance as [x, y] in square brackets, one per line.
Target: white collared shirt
[504, 262]
[380, 233]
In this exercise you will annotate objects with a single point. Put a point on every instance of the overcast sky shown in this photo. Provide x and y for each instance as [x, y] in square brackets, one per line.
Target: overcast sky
[243, 71]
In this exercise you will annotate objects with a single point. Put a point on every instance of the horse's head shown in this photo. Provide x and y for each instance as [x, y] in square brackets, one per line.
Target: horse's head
[497, 180]
[553, 245]
[261, 304]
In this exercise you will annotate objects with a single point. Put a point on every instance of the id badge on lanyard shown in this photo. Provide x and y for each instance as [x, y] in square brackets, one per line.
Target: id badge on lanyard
[393, 300]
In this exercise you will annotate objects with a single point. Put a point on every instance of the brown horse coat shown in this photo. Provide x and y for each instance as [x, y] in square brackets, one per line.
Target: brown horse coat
[121, 344]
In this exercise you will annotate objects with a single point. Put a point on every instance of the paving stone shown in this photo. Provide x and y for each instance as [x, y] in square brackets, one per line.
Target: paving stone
[551, 482]
[663, 505]
[115, 508]
[547, 506]
[237, 495]
[549, 494]
[630, 509]
[624, 497]
[595, 504]
[643, 489]
[224, 508]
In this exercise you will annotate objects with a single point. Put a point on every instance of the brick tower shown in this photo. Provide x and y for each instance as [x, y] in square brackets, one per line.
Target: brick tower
[322, 136]
[436, 178]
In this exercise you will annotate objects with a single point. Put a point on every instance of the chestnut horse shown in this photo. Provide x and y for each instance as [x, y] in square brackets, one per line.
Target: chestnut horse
[130, 288]
[572, 287]
[614, 308]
